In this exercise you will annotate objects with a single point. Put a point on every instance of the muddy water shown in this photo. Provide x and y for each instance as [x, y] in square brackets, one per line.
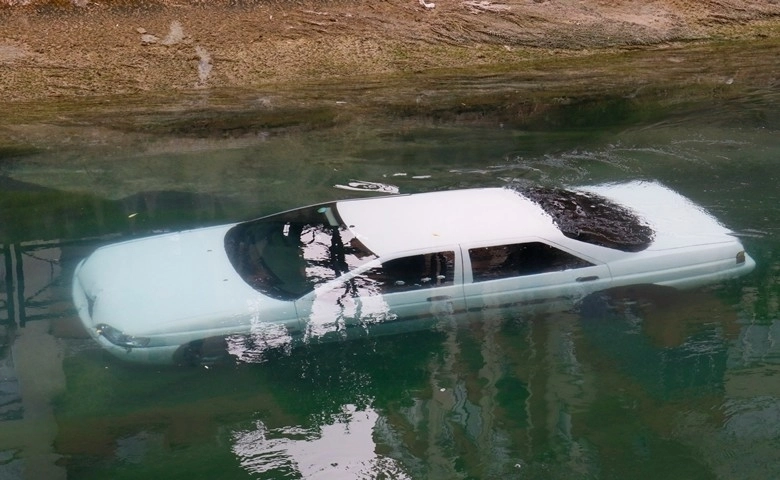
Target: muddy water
[662, 386]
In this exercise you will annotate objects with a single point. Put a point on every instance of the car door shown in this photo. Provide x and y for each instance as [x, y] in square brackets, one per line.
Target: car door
[532, 273]
[403, 293]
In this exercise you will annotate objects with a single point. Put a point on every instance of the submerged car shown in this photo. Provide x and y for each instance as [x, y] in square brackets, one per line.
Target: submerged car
[323, 271]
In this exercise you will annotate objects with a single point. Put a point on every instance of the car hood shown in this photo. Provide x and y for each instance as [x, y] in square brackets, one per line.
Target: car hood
[168, 283]
[676, 220]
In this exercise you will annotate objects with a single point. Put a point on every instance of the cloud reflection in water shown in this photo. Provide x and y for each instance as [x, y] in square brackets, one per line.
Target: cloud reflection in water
[341, 450]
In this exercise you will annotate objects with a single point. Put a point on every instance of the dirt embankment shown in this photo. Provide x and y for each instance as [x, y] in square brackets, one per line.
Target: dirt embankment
[83, 47]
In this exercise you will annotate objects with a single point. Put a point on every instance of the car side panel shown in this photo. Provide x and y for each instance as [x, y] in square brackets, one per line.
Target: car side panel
[683, 267]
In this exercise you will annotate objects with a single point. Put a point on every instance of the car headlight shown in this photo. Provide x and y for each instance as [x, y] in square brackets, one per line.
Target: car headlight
[118, 338]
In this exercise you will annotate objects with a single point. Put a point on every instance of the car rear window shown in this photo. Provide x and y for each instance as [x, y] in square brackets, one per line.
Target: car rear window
[591, 218]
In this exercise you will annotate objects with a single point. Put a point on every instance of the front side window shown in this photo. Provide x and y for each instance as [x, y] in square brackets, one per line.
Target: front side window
[515, 260]
[414, 272]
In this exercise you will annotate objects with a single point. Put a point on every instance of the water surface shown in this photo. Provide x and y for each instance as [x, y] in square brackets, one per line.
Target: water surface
[662, 386]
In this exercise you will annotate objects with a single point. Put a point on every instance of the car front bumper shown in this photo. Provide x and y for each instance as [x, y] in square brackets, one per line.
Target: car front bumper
[158, 355]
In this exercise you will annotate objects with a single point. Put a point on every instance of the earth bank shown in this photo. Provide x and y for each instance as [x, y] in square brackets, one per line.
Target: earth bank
[61, 49]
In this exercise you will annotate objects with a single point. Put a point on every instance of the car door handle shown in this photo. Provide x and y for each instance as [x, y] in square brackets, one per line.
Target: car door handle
[588, 279]
[439, 298]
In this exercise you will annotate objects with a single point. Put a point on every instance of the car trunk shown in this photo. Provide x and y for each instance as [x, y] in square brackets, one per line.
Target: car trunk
[677, 221]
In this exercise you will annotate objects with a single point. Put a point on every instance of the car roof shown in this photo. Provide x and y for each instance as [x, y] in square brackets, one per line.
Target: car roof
[387, 225]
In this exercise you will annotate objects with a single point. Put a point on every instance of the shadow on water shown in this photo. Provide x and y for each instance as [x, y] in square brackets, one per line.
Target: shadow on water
[672, 343]
[31, 212]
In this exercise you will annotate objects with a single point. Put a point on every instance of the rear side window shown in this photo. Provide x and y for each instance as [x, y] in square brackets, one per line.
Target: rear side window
[520, 259]
[414, 272]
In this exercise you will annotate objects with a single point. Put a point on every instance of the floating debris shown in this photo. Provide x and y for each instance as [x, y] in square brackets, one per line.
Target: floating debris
[362, 186]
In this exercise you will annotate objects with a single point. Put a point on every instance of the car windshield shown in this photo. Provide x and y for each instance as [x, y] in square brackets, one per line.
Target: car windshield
[591, 218]
[288, 254]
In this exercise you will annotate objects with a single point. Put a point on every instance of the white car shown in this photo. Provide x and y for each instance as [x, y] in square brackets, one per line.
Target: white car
[319, 272]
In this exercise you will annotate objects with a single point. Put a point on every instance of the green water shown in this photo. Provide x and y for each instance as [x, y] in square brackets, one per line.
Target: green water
[667, 386]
